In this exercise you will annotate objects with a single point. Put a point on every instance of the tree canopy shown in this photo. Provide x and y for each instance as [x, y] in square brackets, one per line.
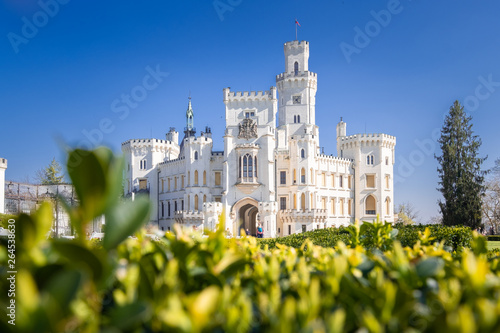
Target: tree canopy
[461, 177]
[51, 174]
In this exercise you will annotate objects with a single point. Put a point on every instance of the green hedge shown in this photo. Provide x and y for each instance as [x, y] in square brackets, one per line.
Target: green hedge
[454, 237]
[493, 238]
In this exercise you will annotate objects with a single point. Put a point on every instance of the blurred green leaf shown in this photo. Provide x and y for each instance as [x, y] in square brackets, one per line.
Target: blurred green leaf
[124, 219]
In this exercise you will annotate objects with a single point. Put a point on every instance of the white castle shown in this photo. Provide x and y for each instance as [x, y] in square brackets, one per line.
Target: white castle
[271, 171]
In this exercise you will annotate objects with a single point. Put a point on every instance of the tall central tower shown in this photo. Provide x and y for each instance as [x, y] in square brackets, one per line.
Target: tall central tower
[297, 88]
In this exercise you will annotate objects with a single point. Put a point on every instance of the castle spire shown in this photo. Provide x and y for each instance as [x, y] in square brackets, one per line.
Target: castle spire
[189, 116]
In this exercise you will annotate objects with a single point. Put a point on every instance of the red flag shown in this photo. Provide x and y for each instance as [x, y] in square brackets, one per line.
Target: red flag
[297, 22]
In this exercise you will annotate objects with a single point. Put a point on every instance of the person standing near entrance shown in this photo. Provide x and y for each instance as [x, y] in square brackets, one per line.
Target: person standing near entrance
[260, 231]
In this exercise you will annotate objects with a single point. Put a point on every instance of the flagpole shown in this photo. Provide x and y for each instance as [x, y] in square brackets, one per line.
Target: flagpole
[296, 29]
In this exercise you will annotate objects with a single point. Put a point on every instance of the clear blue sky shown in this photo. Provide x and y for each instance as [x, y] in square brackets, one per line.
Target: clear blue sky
[65, 77]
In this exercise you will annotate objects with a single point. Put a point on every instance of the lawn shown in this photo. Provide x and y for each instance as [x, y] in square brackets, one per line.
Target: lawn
[491, 245]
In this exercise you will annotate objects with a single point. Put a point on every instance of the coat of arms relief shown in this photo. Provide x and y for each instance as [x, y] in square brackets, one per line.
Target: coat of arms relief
[248, 129]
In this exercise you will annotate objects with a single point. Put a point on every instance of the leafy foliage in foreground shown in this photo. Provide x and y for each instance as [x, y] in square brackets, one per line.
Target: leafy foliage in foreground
[370, 236]
[184, 282]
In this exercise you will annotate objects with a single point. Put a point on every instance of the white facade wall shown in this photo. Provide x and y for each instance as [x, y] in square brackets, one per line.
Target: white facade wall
[3, 167]
[272, 190]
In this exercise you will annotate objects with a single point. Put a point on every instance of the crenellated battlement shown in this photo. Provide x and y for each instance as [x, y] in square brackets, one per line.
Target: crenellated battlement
[147, 142]
[296, 44]
[336, 159]
[249, 95]
[382, 139]
[299, 75]
[3, 163]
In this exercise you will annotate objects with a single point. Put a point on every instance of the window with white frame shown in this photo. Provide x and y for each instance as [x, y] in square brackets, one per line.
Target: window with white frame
[369, 160]
[143, 164]
[248, 168]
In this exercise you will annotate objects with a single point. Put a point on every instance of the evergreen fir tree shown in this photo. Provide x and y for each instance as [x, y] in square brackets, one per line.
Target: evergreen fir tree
[50, 175]
[461, 178]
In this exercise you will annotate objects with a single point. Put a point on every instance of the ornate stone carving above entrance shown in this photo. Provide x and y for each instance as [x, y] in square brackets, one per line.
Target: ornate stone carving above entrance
[248, 129]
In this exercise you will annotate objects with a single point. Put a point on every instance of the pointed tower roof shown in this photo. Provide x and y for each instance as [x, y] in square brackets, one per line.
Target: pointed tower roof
[189, 116]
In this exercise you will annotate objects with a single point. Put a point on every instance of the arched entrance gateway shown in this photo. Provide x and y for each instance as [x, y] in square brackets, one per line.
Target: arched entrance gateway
[244, 214]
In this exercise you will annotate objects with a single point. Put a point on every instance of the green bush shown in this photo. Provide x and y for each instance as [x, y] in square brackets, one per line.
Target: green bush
[184, 282]
[372, 233]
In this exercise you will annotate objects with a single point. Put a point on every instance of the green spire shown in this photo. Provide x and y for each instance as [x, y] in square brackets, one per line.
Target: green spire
[189, 116]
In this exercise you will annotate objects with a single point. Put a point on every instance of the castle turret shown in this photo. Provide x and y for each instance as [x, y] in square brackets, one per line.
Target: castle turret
[297, 88]
[3, 167]
[341, 132]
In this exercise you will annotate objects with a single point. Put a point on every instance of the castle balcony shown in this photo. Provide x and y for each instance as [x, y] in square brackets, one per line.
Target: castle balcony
[183, 216]
[308, 215]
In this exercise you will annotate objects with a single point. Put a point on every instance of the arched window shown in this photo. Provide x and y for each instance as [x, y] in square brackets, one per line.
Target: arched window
[162, 209]
[189, 203]
[195, 177]
[248, 168]
[303, 202]
[294, 176]
[294, 201]
[311, 203]
[298, 119]
[369, 159]
[204, 178]
[168, 209]
[204, 198]
[303, 176]
[294, 119]
[196, 155]
[370, 205]
[296, 68]
[387, 206]
[312, 176]
[333, 206]
[302, 153]
[196, 202]
[189, 177]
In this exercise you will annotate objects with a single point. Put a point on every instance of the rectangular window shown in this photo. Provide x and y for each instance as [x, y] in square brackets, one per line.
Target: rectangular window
[341, 182]
[282, 203]
[249, 114]
[143, 184]
[370, 181]
[175, 183]
[323, 203]
[349, 207]
[168, 187]
[323, 179]
[218, 199]
[387, 182]
[283, 177]
[341, 207]
[217, 178]
[349, 182]
[182, 181]
[333, 206]
[304, 228]
[289, 229]
[333, 180]
[163, 185]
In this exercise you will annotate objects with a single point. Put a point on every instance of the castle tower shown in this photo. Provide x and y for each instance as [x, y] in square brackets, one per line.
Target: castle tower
[297, 88]
[373, 160]
[3, 167]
